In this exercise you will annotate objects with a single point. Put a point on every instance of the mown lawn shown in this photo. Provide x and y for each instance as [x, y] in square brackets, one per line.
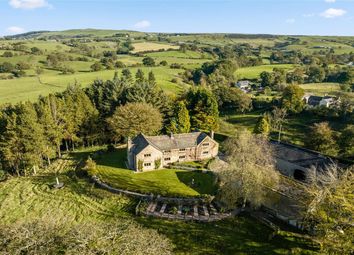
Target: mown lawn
[168, 182]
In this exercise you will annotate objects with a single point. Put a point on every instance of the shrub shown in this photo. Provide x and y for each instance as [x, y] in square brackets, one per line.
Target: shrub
[148, 61]
[49, 235]
[2, 175]
[163, 63]
[157, 163]
[140, 165]
[22, 66]
[90, 166]
[119, 64]
[19, 73]
[67, 70]
[176, 66]
[110, 148]
[7, 54]
[96, 67]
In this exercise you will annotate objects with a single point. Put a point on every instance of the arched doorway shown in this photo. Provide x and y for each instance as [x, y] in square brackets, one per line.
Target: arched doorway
[299, 175]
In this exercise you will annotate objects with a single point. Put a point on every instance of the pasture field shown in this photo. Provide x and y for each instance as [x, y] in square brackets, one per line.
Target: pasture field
[151, 46]
[29, 88]
[321, 89]
[295, 128]
[169, 182]
[253, 72]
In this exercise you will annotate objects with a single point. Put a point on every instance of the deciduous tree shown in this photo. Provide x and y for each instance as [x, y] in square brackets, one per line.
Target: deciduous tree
[250, 172]
[134, 118]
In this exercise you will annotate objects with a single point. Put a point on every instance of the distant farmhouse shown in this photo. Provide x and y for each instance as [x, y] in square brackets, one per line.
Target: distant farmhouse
[243, 85]
[147, 153]
[326, 101]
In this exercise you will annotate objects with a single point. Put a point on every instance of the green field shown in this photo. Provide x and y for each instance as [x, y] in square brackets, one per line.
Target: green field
[253, 72]
[111, 169]
[29, 88]
[295, 128]
[150, 46]
[321, 89]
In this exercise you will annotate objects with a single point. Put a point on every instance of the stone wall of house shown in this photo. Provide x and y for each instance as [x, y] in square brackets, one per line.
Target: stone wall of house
[149, 155]
[207, 149]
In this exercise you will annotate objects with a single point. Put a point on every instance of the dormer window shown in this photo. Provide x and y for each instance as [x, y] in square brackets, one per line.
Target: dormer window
[147, 155]
[205, 144]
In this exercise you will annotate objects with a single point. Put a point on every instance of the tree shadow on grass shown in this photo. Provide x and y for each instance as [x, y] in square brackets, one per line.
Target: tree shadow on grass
[243, 120]
[241, 235]
[203, 183]
[116, 158]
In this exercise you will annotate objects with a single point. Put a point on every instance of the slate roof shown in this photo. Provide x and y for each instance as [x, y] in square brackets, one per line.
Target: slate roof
[314, 100]
[165, 142]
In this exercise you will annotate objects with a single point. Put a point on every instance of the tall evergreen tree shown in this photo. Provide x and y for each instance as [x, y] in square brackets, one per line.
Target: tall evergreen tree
[139, 76]
[151, 78]
[262, 126]
[180, 122]
[203, 108]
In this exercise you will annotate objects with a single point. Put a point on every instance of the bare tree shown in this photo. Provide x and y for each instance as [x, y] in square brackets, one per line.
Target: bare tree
[330, 208]
[250, 172]
[278, 117]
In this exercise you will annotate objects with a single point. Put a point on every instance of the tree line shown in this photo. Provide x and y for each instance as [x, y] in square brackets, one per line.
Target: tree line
[33, 134]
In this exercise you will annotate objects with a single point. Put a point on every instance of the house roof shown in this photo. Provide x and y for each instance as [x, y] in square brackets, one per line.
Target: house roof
[165, 142]
[314, 100]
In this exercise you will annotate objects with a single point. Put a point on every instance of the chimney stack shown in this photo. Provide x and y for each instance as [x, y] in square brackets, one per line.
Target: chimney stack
[211, 134]
[171, 135]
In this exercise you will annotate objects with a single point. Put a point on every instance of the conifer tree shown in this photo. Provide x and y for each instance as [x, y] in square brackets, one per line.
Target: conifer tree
[139, 76]
[203, 108]
[180, 122]
[151, 78]
[262, 126]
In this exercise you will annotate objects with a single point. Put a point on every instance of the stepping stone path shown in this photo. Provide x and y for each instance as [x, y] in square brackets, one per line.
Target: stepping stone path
[196, 212]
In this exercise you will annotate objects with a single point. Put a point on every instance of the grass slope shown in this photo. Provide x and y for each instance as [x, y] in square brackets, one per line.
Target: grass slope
[151, 46]
[28, 88]
[29, 198]
[169, 182]
[253, 72]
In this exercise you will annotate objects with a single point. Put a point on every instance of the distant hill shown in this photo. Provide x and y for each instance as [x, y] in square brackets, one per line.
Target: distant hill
[75, 33]
[110, 33]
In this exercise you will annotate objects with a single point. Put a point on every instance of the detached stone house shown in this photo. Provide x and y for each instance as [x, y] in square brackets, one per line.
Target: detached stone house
[318, 101]
[147, 153]
[243, 85]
